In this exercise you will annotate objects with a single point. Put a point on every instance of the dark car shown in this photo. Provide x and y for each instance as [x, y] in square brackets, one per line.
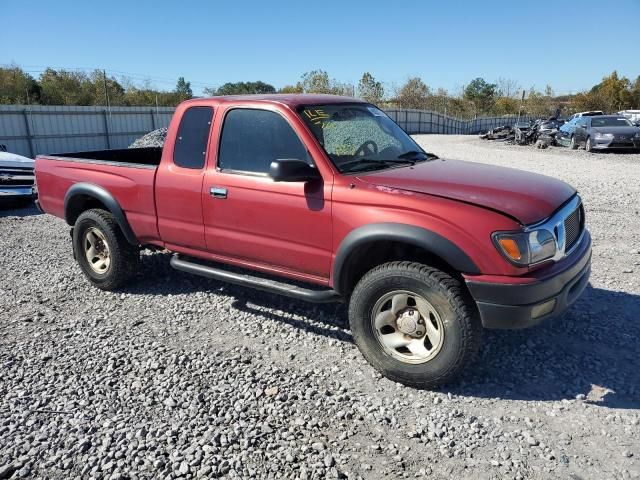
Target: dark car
[601, 132]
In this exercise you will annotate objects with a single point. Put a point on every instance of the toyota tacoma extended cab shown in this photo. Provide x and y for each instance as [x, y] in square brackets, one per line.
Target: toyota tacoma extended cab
[324, 199]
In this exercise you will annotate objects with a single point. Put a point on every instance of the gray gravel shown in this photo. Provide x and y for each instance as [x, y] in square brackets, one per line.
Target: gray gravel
[180, 377]
[155, 138]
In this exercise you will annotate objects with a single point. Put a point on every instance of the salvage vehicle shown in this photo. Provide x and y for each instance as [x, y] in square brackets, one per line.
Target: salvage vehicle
[602, 132]
[16, 177]
[324, 198]
[590, 113]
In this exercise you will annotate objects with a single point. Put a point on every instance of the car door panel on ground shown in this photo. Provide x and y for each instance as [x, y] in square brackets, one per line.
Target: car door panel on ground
[281, 224]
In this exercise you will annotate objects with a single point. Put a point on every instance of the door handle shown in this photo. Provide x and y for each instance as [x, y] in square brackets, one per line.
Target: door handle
[218, 192]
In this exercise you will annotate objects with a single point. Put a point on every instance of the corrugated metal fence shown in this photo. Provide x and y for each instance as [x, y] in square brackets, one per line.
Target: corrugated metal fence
[421, 121]
[29, 130]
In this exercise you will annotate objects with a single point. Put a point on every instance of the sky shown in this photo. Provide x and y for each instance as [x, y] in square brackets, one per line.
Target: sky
[570, 45]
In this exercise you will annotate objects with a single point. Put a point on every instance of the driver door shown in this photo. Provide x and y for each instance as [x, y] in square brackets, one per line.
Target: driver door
[281, 226]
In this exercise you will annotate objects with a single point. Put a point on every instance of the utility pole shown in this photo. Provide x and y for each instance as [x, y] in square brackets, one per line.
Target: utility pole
[521, 103]
[106, 91]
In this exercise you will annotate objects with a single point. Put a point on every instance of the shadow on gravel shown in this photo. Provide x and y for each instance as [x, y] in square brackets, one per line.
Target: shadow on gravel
[592, 350]
[18, 208]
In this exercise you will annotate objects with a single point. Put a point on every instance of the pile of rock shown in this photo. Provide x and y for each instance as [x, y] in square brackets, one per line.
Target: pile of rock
[154, 138]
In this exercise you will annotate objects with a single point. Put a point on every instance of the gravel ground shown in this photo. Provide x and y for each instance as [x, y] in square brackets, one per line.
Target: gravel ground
[178, 376]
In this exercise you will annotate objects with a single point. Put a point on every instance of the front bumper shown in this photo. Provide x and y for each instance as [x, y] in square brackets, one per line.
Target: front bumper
[624, 143]
[17, 192]
[524, 304]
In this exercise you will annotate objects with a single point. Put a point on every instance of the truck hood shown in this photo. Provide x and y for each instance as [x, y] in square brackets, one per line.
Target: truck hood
[527, 197]
[12, 160]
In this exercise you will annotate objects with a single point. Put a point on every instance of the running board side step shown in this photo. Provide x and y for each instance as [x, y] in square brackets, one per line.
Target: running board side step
[293, 291]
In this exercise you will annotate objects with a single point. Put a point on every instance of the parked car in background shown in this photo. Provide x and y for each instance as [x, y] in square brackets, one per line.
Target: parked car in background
[632, 115]
[591, 113]
[600, 132]
[16, 176]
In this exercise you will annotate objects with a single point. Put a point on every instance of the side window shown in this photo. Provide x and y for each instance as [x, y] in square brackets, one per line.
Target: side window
[193, 134]
[252, 139]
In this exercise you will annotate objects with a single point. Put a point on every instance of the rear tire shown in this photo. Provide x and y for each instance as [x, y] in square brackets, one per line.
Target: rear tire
[454, 325]
[105, 256]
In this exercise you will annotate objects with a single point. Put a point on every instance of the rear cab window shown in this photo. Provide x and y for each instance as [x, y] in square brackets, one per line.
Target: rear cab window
[251, 139]
[190, 149]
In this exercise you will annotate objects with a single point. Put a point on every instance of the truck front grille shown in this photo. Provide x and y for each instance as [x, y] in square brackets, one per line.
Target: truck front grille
[573, 226]
[16, 177]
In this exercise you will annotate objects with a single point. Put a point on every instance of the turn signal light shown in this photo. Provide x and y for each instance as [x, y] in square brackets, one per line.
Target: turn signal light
[510, 247]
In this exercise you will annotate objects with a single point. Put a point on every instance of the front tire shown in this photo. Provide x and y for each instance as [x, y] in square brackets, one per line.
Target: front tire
[105, 256]
[573, 144]
[414, 324]
[587, 144]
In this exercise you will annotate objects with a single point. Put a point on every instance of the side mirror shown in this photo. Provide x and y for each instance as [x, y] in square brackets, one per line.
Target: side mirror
[292, 170]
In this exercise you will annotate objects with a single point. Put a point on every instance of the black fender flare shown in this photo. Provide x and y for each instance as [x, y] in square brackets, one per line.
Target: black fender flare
[104, 197]
[399, 232]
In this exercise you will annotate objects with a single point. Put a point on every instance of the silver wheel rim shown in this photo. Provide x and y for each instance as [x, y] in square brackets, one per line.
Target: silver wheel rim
[407, 327]
[96, 250]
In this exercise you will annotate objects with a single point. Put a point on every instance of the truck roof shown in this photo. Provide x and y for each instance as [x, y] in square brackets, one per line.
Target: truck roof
[291, 100]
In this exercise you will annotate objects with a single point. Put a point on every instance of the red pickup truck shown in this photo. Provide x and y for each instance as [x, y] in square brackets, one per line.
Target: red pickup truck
[324, 199]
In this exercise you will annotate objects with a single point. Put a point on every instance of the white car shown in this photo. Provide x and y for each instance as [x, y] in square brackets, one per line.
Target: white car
[16, 177]
[632, 115]
[592, 113]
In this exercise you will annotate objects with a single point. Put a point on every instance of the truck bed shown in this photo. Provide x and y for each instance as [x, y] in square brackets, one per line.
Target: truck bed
[149, 156]
[127, 174]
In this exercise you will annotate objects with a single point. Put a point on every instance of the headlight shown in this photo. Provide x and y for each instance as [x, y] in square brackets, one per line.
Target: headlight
[637, 135]
[603, 135]
[526, 248]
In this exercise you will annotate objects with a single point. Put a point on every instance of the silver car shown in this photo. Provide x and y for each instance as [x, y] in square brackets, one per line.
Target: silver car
[16, 177]
[602, 132]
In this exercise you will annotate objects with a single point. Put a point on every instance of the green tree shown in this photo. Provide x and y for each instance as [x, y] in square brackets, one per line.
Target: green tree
[369, 89]
[318, 81]
[413, 94]
[243, 88]
[18, 87]
[183, 89]
[541, 104]
[482, 94]
[63, 87]
[615, 92]
[297, 88]
[506, 106]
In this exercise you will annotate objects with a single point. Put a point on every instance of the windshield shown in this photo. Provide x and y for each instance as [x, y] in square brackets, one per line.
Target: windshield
[360, 137]
[610, 122]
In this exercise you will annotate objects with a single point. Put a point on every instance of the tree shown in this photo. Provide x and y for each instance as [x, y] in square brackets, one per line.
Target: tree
[508, 87]
[482, 94]
[506, 105]
[369, 89]
[183, 89]
[541, 104]
[318, 81]
[243, 88]
[63, 87]
[614, 92]
[18, 87]
[413, 94]
[297, 88]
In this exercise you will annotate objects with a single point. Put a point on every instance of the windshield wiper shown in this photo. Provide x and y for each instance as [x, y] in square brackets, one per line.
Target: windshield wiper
[413, 153]
[370, 162]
